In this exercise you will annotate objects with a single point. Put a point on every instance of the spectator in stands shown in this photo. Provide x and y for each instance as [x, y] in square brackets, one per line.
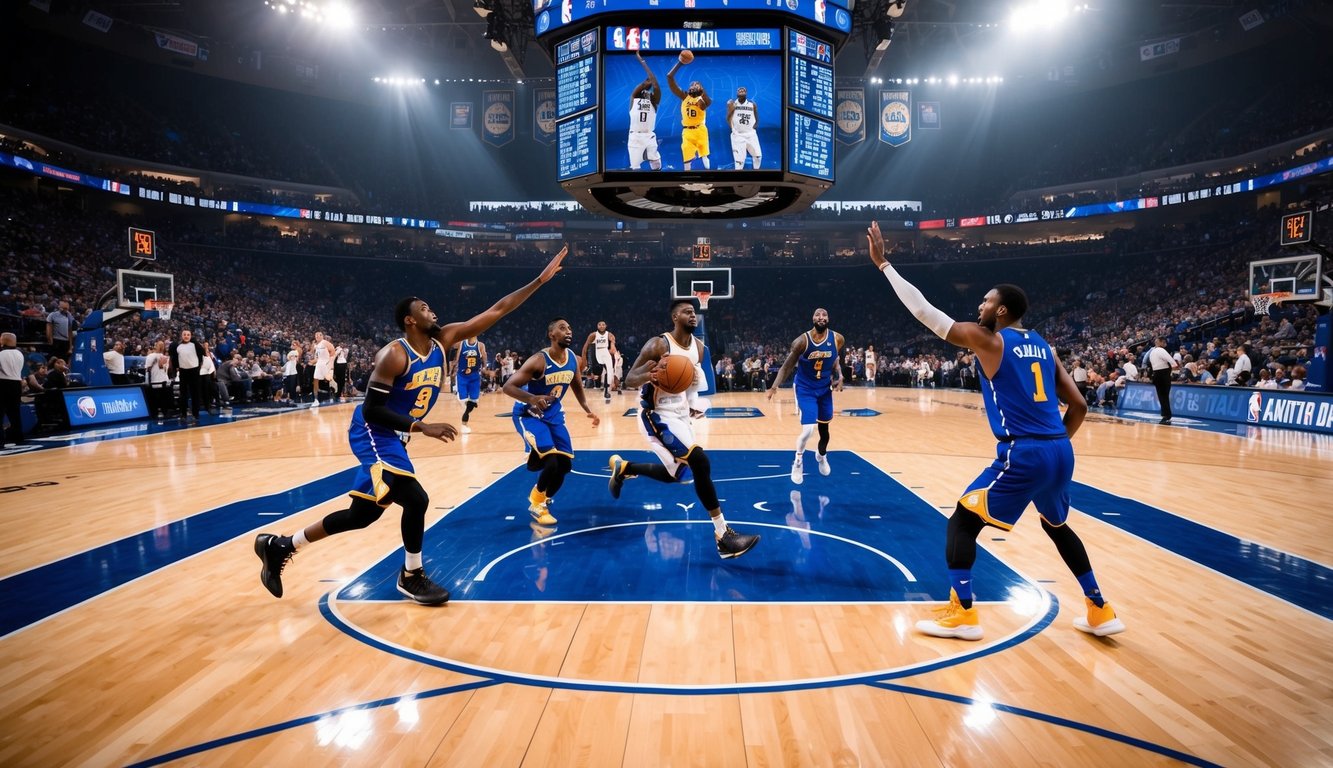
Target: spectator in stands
[1297, 378]
[1241, 365]
[1080, 376]
[60, 327]
[114, 359]
[1285, 330]
[35, 383]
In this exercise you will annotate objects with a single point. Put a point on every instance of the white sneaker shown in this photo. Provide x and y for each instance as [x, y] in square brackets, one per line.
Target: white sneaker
[467, 430]
[796, 475]
[823, 465]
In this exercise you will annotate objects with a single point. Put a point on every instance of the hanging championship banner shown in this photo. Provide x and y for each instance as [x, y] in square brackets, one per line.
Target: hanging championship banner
[460, 115]
[851, 114]
[927, 115]
[497, 117]
[543, 115]
[895, 117]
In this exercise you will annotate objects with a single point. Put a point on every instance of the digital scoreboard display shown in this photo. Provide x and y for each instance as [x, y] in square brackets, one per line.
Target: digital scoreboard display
[577, 68]
[810, 97]
[1296, 228]
[552, 15]
[727, 63]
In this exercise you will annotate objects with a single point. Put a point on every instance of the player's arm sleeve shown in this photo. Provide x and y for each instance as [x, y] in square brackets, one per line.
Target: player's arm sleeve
[912, 298]
[377, 412]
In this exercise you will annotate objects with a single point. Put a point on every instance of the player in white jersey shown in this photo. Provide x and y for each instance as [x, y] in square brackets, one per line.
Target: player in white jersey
[600, 365]
[743, 117]
[643, 121]
[324, 350]
[664, 419]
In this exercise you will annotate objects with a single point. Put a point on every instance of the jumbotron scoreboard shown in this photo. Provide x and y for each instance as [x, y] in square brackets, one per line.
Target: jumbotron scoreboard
[768, 65]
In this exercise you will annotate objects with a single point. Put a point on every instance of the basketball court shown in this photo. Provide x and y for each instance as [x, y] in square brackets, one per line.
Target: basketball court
[135, 618]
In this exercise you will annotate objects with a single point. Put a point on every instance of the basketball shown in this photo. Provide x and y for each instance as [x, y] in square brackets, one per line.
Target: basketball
[686, 57]
[675, 374]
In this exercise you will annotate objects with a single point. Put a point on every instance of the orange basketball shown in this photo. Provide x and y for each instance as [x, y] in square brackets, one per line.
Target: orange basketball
[675, 374]
[686, 57]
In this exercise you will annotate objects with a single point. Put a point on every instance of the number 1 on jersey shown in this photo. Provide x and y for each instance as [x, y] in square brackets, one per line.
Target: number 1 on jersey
[1040, 395]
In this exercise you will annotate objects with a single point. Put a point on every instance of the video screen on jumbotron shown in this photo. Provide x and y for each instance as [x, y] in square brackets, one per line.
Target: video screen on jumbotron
[635, 131]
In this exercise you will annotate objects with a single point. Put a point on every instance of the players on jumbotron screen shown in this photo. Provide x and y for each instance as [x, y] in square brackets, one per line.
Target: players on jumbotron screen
[636, 135]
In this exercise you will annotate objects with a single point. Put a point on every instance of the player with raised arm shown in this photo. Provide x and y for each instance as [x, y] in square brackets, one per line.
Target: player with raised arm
[664, 419]
[743, 117]
[643, 120]
[693, 114]
[539, 386]
[1021, 377]
[816, 357]
[404, 384]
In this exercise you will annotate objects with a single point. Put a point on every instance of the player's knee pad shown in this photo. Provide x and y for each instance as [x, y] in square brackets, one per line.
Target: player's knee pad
[535, 462]
[699, 464]
[359, 515]
[823, 430]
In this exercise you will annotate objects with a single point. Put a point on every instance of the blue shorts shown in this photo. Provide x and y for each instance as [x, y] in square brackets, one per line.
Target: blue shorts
[545, 436]
[814, 407]
[379, 450]
[1026, 470]
[469, 388]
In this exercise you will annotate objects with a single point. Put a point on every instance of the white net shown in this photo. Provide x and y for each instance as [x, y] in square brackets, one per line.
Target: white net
[1264, 301]
[703, 296]
[163, 308]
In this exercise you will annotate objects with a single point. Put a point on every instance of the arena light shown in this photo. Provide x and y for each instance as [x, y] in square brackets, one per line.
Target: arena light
[340, 16]
[1039, 14]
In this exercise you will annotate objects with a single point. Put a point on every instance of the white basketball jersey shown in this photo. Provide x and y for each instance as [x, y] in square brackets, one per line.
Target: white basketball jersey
[679, 405]
[601, 341]
[322, 354]
[743, 117]
[642, 116]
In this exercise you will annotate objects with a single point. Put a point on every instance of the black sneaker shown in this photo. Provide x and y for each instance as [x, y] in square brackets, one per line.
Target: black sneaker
[617, 475]
[275, 552]
[418, 586]
[733, 544]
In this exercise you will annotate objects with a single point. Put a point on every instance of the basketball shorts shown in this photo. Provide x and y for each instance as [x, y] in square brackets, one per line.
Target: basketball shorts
[814, 407]
[743, 144]
[379, 450]
[1025, 470]
[469, 387]
[670, 438]
[642, 146]
[545, 435]
[604, 359]
[323, 371]
[694, 142]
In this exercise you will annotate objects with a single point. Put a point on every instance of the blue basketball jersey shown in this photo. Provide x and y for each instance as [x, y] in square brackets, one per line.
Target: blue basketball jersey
[1021, 398]
[415, 390]
[814, 368]
[554, 382]
[469, 359]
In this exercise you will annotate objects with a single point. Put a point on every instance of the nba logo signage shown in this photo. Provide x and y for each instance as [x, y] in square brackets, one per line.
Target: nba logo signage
[895, 117]
[497, 117]
[1256, 408]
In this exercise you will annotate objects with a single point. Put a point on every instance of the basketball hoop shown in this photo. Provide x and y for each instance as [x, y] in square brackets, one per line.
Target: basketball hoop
[1263, 301]
[163, 308]
[702, 296]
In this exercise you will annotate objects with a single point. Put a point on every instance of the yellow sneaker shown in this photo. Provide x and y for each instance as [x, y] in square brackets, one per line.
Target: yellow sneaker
[953, 620]
[1100, 621]
[541, 514]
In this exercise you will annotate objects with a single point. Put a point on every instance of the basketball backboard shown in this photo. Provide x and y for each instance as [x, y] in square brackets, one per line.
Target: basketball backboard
[686, 281]
[1297, 275]
[133, 286]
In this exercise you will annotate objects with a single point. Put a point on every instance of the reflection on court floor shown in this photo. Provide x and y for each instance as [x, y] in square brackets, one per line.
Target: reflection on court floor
[857, 535]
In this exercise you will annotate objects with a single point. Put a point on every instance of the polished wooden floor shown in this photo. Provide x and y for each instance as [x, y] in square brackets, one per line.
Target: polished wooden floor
[197, 661]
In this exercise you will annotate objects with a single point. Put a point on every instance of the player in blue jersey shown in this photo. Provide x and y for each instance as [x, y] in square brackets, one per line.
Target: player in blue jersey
[539, 386]
[469, 359]
[815, 355]
[407, 378]
[1021, 379]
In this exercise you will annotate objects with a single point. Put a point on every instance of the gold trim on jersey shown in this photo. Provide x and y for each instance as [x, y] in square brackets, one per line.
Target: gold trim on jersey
[378, 485]
[975, 502]
[532, 446]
